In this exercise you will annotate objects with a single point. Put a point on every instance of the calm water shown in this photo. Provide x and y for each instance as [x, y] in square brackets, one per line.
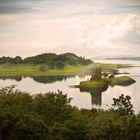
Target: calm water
[43, 84]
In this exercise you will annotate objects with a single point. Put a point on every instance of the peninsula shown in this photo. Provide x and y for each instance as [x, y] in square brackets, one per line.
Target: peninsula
[51, 64]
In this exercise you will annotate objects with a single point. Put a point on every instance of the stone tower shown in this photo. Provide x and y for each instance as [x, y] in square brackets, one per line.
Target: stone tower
[96, 73]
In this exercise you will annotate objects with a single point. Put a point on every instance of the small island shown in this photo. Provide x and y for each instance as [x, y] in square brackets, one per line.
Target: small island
[100, 81]
[122, 80]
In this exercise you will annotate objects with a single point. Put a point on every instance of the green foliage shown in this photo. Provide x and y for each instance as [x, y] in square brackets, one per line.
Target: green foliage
[25, 117]
[123, 104]
[69, 130]
[51, 117]
[50, 59]
[17, 118]
[60, 64]
[97, 84]
[43, 68]
[121, 80]
[53, 107]
[17, 60]
[10, 60]
[57, 61]
[16, 78]
[40, 59]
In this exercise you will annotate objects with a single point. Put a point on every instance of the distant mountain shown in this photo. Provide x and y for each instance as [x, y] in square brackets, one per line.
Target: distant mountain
[124, 58]
[120, 57]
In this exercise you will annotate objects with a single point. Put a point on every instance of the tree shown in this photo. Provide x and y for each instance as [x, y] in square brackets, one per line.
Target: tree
[51, 117]
[123, 104]
[18, 120]
[59, 64]
[4, 60]
[53, 107]
[42, 68]
[17, 60]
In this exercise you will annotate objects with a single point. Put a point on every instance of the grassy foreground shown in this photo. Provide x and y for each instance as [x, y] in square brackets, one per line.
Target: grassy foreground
[28, 69]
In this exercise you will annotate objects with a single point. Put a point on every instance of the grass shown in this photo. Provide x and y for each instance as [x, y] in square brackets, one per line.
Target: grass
[28, 69]
[102, 84]
[122, 80]
[18, 69]
[90, 86]
[93, 84]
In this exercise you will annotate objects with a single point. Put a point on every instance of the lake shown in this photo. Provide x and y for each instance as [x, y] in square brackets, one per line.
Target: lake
[43, 84]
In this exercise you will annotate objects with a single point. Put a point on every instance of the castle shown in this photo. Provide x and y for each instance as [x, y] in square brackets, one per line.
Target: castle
[96, 73]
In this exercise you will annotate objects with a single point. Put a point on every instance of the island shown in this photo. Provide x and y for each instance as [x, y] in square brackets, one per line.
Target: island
[99, 81]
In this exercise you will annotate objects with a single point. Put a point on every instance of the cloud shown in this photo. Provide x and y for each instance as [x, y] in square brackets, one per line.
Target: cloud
[116, 34]
[68, 8]
[86, 27]
[15, 7]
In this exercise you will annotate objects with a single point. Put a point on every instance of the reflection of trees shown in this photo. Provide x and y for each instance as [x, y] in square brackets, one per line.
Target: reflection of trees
[81, 76]
[96, 95]
[49, 79]
[39, 79]
[16, 78]
[96, 98]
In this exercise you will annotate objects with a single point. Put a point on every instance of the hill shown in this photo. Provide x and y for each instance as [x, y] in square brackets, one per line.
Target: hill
[52, 60]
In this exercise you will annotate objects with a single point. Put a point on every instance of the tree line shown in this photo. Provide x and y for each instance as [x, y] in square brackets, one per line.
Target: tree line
[50, 59]
[50, 116]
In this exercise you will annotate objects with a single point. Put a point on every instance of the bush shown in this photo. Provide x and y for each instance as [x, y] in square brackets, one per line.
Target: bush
[51, 117]
[123, 105]
[42, 68]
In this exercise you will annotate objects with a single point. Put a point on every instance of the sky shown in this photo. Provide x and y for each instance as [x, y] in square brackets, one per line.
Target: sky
[86, 27]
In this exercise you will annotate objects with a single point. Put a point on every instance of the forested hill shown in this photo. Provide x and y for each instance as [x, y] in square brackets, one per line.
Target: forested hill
[51, 59]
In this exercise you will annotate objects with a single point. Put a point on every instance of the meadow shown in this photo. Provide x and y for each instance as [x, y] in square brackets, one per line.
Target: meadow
[32, 69]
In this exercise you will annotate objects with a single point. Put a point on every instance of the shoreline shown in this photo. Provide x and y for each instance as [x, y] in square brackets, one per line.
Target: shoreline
[33, 70]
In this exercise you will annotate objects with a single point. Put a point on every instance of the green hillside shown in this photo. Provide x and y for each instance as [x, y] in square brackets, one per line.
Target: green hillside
[50, 59]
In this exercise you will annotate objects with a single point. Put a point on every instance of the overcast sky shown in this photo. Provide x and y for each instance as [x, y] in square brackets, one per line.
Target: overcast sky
[86, 27]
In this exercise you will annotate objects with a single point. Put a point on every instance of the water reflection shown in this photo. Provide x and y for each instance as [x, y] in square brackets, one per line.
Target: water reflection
[49, 79]
[96, 95]
[39, 79]
[16, 78]
[96, 98]
[86, 99]
[63, 82]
